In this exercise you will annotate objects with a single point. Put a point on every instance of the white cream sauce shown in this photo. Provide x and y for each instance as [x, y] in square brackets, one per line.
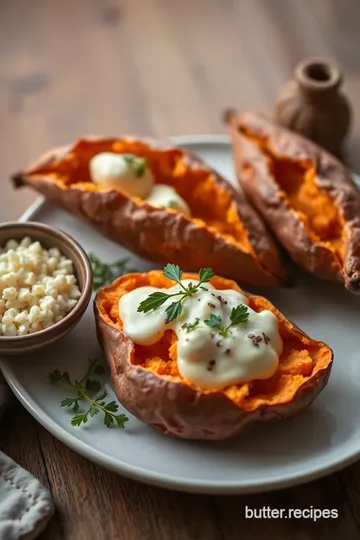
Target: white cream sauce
[249, 351]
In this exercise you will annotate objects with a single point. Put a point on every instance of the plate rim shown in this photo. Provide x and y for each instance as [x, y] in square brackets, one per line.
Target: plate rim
[139, 473]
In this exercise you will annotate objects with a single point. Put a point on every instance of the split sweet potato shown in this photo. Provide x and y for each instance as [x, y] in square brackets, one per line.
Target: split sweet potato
[147, 381]
[304, 194]
[225, 232]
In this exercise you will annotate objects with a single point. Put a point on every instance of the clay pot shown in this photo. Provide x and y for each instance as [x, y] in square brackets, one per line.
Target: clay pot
[312, 104]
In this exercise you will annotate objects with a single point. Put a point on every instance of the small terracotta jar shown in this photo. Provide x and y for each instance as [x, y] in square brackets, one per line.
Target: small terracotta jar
[313, 106]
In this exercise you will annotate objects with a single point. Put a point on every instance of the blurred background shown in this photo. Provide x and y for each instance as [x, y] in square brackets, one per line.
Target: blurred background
[157, 67]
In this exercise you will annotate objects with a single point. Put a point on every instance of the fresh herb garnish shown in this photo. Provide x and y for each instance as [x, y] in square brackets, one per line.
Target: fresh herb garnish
[173, 272]
[138, 164]
[172, 204]
[104, 273]
[140, 167]
[153, 301]
[129, 158]
[191, 326]
[205, 275]
[238, 315]
[96, 403]
[174, 310]
[214, 321]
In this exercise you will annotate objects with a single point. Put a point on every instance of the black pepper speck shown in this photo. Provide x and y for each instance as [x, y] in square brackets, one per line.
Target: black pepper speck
[211, 365]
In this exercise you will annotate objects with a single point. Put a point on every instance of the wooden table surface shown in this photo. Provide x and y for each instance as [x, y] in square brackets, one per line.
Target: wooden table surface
[163, 68]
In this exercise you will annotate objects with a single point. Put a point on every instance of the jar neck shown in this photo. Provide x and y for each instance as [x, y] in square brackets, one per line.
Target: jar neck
[318, 78]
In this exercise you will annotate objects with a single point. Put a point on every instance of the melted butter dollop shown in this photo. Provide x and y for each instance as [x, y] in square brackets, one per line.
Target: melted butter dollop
[131, 175]
[249, 351]
[165, 196]
[124, 172]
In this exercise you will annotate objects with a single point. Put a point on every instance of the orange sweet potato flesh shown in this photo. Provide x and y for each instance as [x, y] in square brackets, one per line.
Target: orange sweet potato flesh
[147, 381]
[225, 232]
[304, 194]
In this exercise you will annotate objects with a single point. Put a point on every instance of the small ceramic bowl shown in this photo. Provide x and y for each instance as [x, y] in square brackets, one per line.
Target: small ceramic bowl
[49, 237]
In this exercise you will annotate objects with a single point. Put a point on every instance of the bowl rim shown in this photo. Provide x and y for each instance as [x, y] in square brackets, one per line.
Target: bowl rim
[86, 289]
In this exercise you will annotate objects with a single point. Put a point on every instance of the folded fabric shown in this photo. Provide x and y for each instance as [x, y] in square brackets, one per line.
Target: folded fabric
[25, 505]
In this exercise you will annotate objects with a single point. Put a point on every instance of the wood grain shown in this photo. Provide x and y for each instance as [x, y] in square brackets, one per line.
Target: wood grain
[161, 68]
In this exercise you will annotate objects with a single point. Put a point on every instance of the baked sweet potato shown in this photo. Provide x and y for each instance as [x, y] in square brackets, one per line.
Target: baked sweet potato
[224, 232]
[305, 195]
[147, 381]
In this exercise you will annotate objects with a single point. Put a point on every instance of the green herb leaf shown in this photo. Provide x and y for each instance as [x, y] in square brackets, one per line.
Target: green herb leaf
[93, 410]
[108, 419]
[138, 164]
[76, 406]
[55, 376]
[214, 321]
[65, 377]
[129, 158]
[92, 385]
[102, 396]
[173, 311]
[157, 299]
[140, 167]
[239, 314]
[104, 273]
[79, 419]
[68, 402]
[192, 288]
[121, 419]
[172, 204]
[173, 272]
[112, 406]
[191, 326]
[95, 405]
[153, 301]
[205, 274]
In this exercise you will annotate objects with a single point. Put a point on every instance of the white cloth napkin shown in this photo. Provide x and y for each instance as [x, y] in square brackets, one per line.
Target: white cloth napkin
[25, 504]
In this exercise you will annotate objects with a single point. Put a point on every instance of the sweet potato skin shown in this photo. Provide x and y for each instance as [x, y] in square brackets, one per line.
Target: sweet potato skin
[332, 178]
[175, 408]
[158, 234]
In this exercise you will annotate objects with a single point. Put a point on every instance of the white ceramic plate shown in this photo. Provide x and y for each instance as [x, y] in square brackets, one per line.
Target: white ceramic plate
[323, 439]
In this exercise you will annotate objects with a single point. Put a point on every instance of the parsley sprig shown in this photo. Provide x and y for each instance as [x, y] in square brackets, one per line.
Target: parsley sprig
[238, 315]
[104, 273]
[191, 326]
[172, 204]
[174, 310]
[83, 388]
[138, 164]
